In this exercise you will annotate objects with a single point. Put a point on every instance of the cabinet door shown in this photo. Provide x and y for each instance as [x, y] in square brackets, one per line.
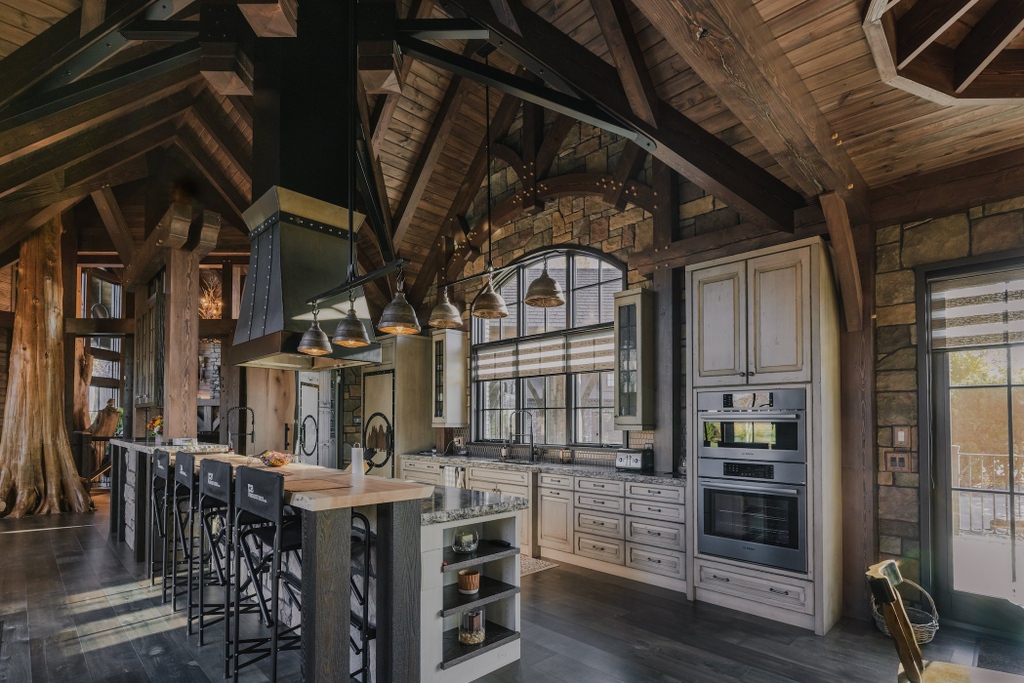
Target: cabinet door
[780, 317]
[719, 325]
[555, 523]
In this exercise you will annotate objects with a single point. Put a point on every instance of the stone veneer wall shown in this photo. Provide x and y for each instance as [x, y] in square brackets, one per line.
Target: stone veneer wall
[982, 230]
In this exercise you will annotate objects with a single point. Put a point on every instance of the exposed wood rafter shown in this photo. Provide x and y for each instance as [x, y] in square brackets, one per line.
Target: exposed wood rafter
[847, 270]
[630, 163]
[171, 232]
[17, 229]
[115, 223]
[613, 17]
[993, 32]
[51, 189]
[924, 23]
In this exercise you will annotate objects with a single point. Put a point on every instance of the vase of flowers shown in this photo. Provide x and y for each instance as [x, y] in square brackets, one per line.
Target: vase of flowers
[155, 427]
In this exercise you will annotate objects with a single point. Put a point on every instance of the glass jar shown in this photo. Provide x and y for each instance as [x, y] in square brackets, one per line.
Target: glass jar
[466, 540]
[471, 627]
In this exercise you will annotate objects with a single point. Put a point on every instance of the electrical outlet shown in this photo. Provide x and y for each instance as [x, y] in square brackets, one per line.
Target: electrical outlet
[899, 461]
[458, 442]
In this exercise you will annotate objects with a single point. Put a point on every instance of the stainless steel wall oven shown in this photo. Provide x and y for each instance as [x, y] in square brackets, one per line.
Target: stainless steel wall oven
[752, 477]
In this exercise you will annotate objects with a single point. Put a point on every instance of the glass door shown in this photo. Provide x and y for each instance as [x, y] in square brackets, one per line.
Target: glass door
[980, 425]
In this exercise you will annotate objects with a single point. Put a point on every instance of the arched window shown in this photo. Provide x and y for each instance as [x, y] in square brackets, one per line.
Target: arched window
[554, 363]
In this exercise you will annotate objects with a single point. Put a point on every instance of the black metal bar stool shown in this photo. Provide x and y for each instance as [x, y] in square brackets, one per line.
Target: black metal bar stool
[185, 491]
[216, 503]
[264, 532]
[364, 592]
[159, 490]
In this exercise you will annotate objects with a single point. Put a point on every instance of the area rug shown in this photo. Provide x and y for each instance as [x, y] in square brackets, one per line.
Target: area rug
[531, 565]
[993, 654]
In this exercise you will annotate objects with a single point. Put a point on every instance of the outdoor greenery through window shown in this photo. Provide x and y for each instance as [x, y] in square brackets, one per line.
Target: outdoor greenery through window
[556, 363]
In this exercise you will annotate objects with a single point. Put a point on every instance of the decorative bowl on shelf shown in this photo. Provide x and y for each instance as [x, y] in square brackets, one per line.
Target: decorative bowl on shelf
[469, 581]
[275, 459]
[465, 540]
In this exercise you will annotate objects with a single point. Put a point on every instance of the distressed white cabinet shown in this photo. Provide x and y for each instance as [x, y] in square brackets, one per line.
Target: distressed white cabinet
[448, 402]
[751, 320]
[554, 519]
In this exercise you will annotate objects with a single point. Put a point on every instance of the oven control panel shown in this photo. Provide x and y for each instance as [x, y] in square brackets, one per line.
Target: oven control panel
[749, 470]
[757, 399]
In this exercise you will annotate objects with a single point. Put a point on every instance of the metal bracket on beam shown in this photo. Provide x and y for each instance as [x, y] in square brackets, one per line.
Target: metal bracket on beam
[151, 29]
[528, 91]
[442, 29]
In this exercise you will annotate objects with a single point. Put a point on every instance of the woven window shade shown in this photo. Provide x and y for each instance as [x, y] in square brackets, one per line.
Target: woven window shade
[977, 310]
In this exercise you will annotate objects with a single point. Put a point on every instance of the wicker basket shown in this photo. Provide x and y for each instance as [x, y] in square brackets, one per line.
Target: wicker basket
[923, 624]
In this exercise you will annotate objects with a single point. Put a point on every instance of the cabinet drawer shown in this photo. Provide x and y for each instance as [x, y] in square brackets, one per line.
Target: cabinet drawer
[555, 493]
[602, 503]
[507, 490]
[485, 474]
[668, 513]
[599, 523]
[656, 560]
[419, 466]
[605, 549]
[433, 478]
[764, 588]
[603, 486]
[663, 535]
[659, 494]
[556, 481]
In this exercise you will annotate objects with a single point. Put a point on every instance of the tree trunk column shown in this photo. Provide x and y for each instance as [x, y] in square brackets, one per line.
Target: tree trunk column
[181, 347]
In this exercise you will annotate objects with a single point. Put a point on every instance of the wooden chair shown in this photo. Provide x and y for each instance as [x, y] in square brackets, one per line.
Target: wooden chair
[883, 579]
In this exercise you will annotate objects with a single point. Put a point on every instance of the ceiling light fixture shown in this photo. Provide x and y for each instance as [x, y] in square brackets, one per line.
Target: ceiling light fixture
[445, 316]
[544, 292]
[489, 304]
[399, 317]
[350, 333]
[314, 341]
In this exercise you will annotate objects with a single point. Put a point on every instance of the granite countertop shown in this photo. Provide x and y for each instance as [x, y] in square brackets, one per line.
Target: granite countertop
[569, 469]
[451, 504]
[150, 447]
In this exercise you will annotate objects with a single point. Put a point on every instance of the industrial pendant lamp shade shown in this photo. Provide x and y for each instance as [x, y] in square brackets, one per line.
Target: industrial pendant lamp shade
[489, 304]
[445, 316]
[399, 316]
[315, 342]
[544, 292]
[351, 333]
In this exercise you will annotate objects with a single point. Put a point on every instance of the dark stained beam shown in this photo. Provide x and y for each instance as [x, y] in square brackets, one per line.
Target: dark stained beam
[200, 160]
[370, 181]
[732, 49]
[631, 162]
[553, 140]
[684, 145]
[171, 232]
[134, 147]
[444, 121]
[15, 230]
[52, 190]
[500, 123]
[206, 120]
[613, 17]
[847, 270]
[115, 223]
[93, 12]
[990, 35]
[924, 23]
[203, 234]
[88, 142]
[532, 138]
[420, 9]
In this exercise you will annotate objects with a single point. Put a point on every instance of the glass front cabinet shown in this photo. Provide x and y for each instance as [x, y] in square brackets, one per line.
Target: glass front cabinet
[634, 359]
[448, 380]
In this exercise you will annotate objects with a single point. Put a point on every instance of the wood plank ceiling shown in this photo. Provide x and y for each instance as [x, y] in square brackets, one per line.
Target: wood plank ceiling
[886, 134]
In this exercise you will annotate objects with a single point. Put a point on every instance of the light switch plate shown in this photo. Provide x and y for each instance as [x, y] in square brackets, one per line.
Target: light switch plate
[899, 461]
[458, 442]
[901, 437]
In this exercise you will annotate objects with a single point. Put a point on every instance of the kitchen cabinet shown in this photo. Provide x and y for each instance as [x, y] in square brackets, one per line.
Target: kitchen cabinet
[634, 359]
[509, 483]
[422, 472]
[554, 519]
[751, 320]
[449, 379]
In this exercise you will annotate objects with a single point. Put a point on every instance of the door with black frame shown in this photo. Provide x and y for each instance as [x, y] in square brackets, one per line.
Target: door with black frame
[976, 348]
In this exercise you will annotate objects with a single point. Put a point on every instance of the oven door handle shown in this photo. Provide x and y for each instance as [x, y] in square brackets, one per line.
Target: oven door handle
[747, 417]
[755, 489]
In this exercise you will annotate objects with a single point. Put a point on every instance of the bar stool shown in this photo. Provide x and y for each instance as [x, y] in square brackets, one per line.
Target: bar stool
[185, 491]
[216, 502]
[158, 510]
[264, 532]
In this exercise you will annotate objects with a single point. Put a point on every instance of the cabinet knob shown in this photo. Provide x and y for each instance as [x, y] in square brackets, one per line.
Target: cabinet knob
[743, 374]
[751, 373]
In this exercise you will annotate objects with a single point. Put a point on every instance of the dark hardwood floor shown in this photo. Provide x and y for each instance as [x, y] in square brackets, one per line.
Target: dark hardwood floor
[76, 608]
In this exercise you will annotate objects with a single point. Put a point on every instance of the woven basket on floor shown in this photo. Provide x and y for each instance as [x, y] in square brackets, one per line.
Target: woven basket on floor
[923, 624]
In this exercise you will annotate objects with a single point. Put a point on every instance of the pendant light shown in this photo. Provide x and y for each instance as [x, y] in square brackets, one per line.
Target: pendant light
[544, 292]
[489, 304]
[315, 342]
[350, 332]
[399, 317]
[445, 316]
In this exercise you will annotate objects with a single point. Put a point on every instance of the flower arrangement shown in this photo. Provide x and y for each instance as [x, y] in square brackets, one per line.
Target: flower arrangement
[156, 426]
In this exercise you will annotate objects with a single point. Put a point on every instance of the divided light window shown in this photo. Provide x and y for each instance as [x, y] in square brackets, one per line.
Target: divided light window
[555, 363]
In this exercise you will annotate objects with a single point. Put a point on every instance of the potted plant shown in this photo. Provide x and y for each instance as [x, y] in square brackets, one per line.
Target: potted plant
[155, 427]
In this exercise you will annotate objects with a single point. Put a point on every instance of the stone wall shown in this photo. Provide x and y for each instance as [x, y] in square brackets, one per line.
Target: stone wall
[984, 230]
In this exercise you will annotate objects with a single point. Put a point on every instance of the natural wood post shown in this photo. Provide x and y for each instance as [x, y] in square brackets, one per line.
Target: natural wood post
[181, 348]
[37, 472]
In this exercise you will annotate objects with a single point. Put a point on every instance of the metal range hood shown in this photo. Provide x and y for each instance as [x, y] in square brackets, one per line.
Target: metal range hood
[299, 248]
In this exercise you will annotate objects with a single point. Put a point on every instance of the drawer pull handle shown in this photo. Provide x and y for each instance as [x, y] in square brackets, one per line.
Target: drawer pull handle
[723, 579]
[599, 502]
[654, 560]
[777, 591]
[654, 509]
[656, 493]
[598, 486]
[653, 533]
[598, 523]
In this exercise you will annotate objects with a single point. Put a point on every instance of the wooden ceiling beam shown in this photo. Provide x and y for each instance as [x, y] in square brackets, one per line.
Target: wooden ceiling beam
[134, 147]
[93, 12]
[617, 28]
[837, 219]
[924, 23]
[685, 146]
[552, 143]
[35, 197]
[990, 35]
[444, 121]
[196, 157]
[203, 234]
[732, 49]
[502, 120]
[206, 119]
[630, 164]
[171, 232]
[532, 138]
[89, 142]
[115, 223]
[15, 230]
[420, 9]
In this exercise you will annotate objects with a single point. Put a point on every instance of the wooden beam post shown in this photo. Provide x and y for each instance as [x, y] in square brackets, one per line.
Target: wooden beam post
[170, 234]
[838, 222]
[114, 222]
[181, 343]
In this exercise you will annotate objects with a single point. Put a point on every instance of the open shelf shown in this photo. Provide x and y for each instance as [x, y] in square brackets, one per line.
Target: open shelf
[487, 551]
[456, 653]
[491, 590]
